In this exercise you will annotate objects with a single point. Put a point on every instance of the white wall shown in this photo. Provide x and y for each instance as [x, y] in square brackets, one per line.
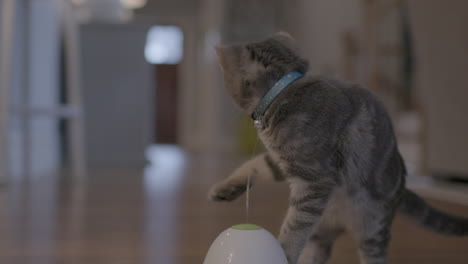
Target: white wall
[19, 83]
[35, 67]
[318, 27]
[441, 41]
[117, 94]
[4, 88]
[43, 82]
[209, 81]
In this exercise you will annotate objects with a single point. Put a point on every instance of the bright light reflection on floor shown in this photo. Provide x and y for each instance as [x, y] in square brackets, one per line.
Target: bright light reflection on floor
[167, 164]
[162, 177]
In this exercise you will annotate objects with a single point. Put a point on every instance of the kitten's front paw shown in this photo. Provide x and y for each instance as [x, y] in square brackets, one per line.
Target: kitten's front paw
[226, 191]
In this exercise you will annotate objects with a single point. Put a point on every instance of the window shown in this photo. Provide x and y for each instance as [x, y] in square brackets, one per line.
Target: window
[164, 45]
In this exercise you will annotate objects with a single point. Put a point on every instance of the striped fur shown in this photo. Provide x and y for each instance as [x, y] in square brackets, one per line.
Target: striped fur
[333, 142]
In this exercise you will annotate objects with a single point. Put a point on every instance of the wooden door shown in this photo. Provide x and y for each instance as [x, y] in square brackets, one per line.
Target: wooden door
[166, 103]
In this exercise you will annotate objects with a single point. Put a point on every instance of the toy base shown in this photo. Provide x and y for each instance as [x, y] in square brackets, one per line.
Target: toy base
[245, 244]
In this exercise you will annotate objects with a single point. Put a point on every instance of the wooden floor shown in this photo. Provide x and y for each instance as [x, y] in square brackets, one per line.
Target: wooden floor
[160, 215]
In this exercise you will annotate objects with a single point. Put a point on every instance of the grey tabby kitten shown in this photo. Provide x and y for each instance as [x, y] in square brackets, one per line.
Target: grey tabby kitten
[333, 142]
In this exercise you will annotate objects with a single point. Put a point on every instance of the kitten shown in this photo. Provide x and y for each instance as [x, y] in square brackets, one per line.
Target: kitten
[333, 142]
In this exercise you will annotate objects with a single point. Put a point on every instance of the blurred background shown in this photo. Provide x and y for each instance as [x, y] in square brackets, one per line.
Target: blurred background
[114, 121]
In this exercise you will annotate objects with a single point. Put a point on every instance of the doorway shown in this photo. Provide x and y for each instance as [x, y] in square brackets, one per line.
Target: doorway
[164, 49]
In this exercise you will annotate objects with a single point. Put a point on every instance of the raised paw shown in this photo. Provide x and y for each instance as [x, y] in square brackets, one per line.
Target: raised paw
[226, 191]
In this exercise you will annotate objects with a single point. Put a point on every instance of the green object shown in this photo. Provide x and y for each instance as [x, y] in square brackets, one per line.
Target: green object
[246, 227]
[246, 135]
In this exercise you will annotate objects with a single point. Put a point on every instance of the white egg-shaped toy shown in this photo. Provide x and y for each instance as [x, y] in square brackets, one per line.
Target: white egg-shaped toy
[245, 244]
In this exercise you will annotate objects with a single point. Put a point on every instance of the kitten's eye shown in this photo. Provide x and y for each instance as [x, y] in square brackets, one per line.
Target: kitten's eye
[247, 83]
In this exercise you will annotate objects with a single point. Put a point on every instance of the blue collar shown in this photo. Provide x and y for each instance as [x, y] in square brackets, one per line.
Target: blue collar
[270, 96]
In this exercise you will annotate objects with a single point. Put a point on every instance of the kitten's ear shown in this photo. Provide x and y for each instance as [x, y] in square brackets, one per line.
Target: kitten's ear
[226, 54]
[285, 39]
[221, 53]
[219, 50]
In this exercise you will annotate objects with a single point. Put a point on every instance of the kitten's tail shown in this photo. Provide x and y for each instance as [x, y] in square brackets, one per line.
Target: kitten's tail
[415, 207]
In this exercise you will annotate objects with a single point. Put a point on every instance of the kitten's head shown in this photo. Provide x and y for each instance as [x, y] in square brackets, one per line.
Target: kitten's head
[251, 69]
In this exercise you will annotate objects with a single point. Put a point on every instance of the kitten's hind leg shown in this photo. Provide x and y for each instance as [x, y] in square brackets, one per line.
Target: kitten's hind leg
[371, 230]
[319, 247]
[307, 204]
[262, 166]
[373, 250]
[330, 227]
